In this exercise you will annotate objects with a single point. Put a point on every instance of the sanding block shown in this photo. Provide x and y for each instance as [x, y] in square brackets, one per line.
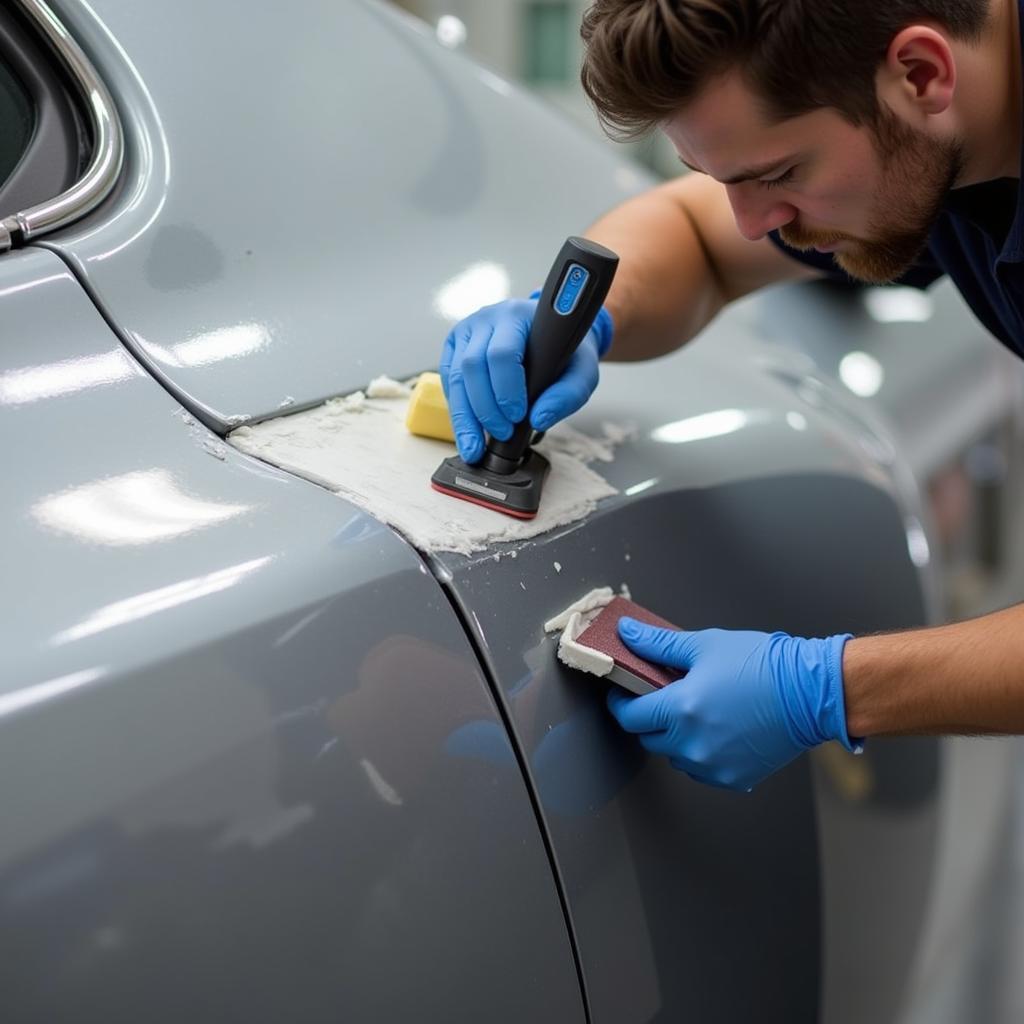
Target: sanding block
[629, 671]
[510, 476]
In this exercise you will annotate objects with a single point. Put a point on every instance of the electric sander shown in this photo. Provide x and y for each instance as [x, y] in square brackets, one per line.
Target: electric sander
[510, 476]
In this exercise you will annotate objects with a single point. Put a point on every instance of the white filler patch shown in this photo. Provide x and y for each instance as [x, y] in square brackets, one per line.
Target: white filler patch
[359, 447]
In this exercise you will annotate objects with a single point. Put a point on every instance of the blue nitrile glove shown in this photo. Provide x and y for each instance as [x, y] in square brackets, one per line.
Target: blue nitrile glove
[749, 703]
[483, 378]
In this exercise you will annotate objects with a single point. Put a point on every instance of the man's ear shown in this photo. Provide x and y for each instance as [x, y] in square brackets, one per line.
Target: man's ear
[918, 75]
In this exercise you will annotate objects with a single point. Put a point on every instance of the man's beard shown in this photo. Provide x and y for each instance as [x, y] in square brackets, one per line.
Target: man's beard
[917, 172]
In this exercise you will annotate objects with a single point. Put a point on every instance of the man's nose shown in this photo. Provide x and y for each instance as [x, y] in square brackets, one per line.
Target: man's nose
[756, 211]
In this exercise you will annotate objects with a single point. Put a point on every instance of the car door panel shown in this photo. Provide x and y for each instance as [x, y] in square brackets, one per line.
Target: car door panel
[237, 765]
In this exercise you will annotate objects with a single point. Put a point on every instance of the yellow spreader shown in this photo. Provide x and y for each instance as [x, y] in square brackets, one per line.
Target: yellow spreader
[428, 409]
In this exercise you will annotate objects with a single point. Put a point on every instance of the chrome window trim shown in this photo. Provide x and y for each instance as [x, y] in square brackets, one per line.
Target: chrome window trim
[104, 168]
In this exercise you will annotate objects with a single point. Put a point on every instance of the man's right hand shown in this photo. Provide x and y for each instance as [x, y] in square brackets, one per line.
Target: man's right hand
[484, 382]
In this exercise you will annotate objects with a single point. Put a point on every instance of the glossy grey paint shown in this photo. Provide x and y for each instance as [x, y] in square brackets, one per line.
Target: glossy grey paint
[166, 279]
[249, 765]
[707, 886]
[942, 381]
[793, 515]
[295, 206]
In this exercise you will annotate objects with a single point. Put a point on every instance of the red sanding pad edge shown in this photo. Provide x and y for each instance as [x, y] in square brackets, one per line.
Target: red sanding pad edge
[603, 635]
[480, 501]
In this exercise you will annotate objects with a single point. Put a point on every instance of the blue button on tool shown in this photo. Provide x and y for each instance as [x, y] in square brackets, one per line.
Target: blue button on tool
[569, 293]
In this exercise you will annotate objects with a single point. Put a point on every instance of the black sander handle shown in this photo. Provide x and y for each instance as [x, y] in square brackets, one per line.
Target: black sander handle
[575, 288]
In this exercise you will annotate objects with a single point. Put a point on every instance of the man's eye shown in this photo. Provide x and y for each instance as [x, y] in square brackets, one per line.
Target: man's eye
[780, 180]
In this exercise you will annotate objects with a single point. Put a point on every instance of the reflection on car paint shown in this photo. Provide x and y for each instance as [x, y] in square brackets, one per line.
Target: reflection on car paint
[141, 605]
[132, 508]
[52, 380]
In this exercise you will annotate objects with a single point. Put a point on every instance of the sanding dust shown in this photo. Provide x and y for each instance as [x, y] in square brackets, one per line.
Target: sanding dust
[347, 403]
[574, 442]
[572, 622]
[359, 447]
[387, 387]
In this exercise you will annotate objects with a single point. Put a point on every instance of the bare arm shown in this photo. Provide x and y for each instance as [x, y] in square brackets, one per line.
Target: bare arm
[682, 258]
[963, 678]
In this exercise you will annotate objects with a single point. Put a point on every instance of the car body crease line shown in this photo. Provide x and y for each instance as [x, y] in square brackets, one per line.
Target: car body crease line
[197, 409]
[506, 718]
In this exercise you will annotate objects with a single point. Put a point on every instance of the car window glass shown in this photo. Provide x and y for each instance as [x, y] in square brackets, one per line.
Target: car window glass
[18, 119]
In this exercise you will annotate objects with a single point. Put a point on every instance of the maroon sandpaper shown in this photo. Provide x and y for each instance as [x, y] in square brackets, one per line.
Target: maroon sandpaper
[630, 671]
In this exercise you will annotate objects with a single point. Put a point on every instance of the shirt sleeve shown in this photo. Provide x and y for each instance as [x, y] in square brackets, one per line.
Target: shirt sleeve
[924, 272]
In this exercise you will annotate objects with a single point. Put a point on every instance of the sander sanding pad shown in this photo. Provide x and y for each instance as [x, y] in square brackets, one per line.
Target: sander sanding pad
[631, 672]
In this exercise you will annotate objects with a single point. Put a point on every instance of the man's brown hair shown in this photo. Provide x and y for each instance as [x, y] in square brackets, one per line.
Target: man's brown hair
[646, 59]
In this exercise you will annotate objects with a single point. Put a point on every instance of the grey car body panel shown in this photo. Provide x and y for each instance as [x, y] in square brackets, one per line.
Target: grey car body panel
[241, 765]
[941, 380]
[792, 511]
[244, 291]
[706, 886]
[239, 290]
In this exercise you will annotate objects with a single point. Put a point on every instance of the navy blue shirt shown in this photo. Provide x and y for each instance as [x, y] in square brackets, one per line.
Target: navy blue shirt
[978, 240]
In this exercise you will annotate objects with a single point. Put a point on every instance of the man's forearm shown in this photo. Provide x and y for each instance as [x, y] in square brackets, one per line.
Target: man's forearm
[664, 290]
[682, 258]
[967, 677]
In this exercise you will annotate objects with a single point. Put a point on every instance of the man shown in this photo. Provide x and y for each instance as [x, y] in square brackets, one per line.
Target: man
[876, 138]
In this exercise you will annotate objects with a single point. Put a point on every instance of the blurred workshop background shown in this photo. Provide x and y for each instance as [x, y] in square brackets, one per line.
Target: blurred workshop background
[536, 43]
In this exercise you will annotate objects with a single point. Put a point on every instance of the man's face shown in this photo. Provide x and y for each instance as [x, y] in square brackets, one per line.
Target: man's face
[867, 195]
